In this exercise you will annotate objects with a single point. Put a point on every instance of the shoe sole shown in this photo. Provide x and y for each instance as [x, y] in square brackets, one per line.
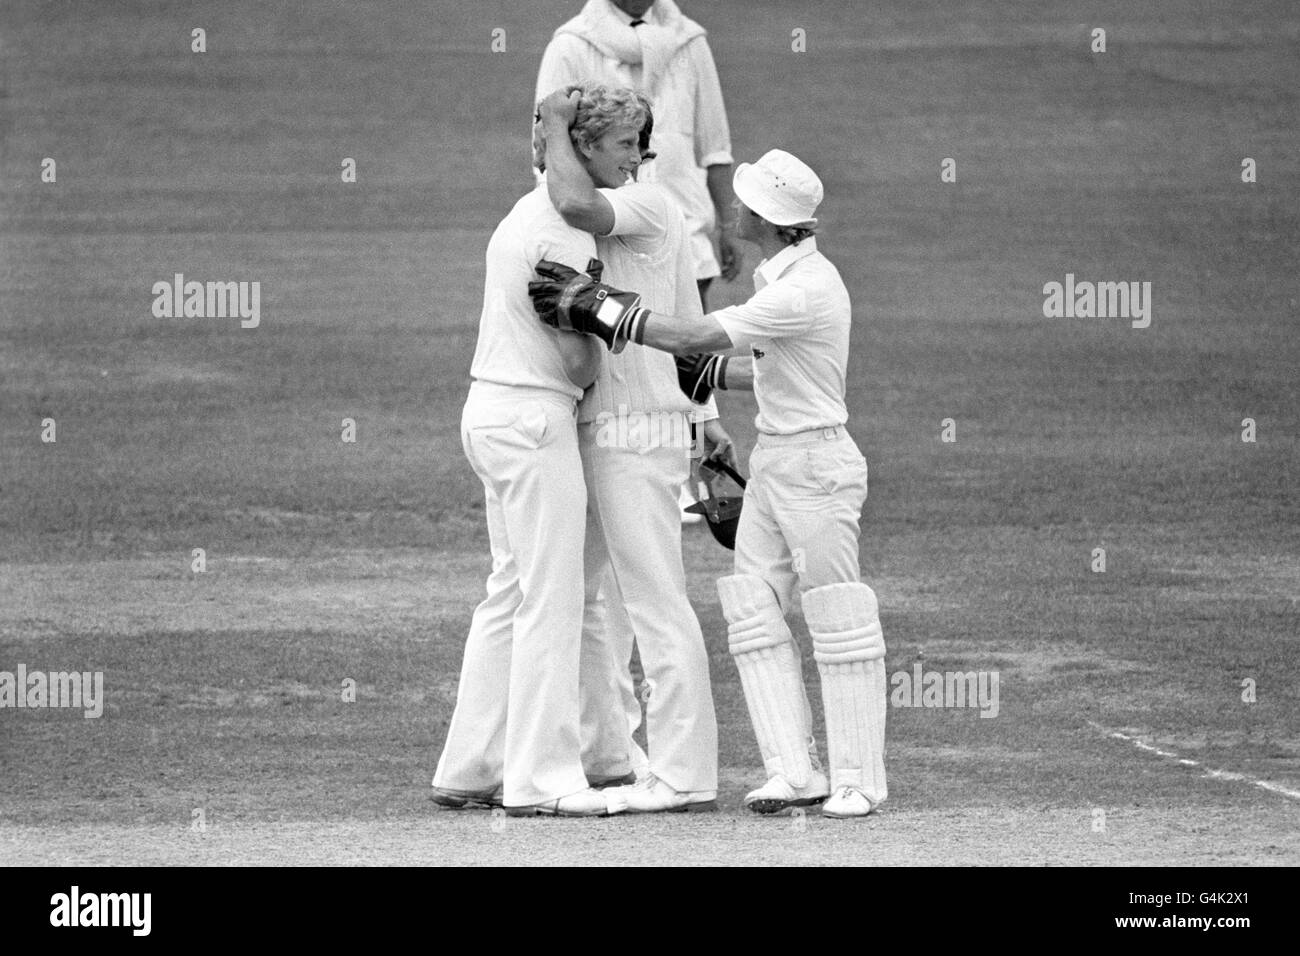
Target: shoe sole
[543, 812]
[832, 815]
[464, 803]
[767, 807]
[702, 806]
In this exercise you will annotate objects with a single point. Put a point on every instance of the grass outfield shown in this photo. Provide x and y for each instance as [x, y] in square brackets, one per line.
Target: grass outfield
[329, 561]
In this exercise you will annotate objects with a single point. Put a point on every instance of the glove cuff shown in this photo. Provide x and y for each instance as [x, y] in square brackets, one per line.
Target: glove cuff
[718, 372]
[636, 325]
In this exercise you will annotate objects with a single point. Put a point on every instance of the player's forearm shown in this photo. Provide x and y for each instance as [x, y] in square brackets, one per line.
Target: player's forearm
[671, 333]
[567, 183]
[718, 178]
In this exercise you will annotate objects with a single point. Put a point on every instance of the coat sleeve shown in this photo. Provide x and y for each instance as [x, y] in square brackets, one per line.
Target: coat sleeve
[712, 134]
[561, 65]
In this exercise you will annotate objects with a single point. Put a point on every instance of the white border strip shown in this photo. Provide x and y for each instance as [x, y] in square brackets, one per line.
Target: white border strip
[1209, 772]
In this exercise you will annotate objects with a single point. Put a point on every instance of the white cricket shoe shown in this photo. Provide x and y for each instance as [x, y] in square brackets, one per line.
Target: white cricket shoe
[584, 803]
[779, 794]
[847, 803]
[652, 795]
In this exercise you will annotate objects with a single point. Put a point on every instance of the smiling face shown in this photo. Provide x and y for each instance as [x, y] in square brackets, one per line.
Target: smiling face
[613, 158]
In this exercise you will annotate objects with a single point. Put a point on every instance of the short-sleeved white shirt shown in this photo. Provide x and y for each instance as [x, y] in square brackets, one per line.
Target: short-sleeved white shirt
[797, 326]
[514, 347]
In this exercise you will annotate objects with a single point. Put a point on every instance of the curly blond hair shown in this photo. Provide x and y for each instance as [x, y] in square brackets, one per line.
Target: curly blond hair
[600, 109]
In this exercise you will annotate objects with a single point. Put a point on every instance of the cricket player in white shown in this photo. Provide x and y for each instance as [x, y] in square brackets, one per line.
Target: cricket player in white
[650, 46]
[634, 438]
[798, 531]
[514, 736]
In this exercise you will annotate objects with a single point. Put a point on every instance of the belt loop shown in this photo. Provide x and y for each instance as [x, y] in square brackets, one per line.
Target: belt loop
[828, 433]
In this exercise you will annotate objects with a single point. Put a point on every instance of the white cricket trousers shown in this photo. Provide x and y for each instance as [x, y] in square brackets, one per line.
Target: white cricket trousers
[799, 526]
[634, 526]
[516, 717]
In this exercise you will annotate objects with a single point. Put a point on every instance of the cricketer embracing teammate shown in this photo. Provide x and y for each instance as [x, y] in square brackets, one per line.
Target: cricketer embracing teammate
[514, 737]
[798, 533]
[596, 137]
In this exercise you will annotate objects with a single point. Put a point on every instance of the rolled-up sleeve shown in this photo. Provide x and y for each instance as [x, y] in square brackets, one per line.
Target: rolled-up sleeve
[775, 311]
[712, 134]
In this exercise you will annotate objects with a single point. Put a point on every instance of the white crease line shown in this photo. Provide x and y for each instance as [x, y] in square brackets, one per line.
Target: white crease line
[1210, 772]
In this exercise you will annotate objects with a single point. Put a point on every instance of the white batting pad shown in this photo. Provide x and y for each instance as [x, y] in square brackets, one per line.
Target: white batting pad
[849, 647]
[768, 662]
[844, 620]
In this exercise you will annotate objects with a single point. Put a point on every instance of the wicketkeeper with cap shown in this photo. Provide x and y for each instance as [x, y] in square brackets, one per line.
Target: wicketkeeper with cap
[798, 533]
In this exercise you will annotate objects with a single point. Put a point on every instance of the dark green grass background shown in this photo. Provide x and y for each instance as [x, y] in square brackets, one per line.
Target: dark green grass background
[1072, 433]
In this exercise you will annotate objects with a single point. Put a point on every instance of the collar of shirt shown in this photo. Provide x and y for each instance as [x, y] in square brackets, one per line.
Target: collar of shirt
[769, 270]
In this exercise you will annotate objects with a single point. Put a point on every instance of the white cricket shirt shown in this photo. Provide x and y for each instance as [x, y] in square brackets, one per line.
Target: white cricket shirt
[797, 326]
[514, 346]
[646, 252]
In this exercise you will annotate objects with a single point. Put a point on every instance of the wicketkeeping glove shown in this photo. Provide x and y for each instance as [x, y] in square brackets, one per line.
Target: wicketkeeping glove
[699, 375]
[577, 302]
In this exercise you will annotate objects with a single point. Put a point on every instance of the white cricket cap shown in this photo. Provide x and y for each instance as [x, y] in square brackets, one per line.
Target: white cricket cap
[779, 187]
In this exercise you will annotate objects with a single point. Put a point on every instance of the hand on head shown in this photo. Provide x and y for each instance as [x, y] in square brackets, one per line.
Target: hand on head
[560, 106]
